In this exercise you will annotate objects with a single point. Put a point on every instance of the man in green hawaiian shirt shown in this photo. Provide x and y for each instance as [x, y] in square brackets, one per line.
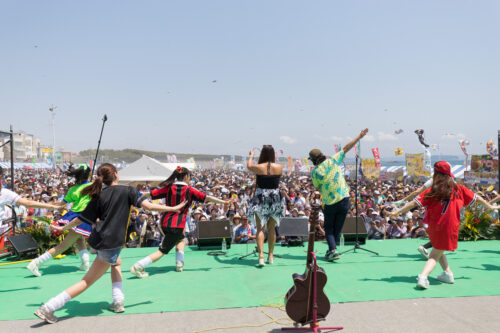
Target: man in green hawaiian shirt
[328, 178]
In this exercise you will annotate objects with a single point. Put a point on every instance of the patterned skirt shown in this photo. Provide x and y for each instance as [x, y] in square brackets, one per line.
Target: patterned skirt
[83, 229]
[266, 204]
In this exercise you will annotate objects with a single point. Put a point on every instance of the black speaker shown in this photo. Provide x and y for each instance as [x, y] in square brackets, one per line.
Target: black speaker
[294, 226]
[349, 230]
[211, 233]
[24, 245]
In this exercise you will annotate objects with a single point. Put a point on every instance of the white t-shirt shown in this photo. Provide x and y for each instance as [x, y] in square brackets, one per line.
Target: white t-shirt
[7, 197]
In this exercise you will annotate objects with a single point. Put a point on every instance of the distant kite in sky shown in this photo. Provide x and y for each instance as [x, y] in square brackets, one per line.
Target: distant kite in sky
[214, 81]
[399, 131]
[420, 133]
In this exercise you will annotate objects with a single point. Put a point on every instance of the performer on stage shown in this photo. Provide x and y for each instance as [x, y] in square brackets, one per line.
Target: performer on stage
[327, 176]
[175, 190]
[77, 234]
[110, 205]
[443, 202]
[267, 205]
[8, 197]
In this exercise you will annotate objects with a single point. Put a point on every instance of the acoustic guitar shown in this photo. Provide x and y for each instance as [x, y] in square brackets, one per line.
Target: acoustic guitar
[300, 298]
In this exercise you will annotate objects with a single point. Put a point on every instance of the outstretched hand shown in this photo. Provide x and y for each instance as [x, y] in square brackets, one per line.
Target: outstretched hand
[57, 227]
[363, 133]
[178, 208]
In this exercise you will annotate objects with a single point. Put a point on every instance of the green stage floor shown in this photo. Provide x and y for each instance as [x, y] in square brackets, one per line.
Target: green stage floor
[210, 282]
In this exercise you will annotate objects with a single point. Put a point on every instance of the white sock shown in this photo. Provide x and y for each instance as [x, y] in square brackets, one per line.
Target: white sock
[179, 256]
[43, 258]
[57, 302]
[145, 262]
[84, 255]
[117, 292]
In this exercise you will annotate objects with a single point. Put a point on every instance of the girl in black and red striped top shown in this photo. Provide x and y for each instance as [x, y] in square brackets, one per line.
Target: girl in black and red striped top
[174, 190]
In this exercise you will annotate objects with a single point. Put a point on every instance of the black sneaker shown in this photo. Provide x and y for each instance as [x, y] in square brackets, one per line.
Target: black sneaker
[331, 255]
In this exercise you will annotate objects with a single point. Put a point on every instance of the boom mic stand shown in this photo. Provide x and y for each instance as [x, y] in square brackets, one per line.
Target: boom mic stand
[356, 244]
[104, 119]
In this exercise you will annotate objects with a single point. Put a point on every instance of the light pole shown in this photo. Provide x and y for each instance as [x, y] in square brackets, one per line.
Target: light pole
[53, 113]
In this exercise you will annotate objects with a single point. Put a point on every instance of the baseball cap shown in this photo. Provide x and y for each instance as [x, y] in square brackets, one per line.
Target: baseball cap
[443, 167]
[315, 153]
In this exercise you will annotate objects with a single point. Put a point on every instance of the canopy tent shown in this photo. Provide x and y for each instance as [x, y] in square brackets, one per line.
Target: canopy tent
[147, 169]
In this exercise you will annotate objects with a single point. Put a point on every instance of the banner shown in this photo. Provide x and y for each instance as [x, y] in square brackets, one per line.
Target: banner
[290, 163]
[483, 170]
[376, 154]
[398, 151]
[47, 150]
[370, 168]
[415, 166]
[492, 149]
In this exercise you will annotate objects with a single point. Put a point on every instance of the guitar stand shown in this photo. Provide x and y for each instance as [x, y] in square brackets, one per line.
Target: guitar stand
[255, 251]
[314, 324]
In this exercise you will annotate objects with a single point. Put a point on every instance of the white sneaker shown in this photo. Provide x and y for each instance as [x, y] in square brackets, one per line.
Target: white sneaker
[446, 277]
[84, 266]
[261, 263]
[46, 315]
[179, 266]
[117, 307]
[423, 251]
[138, 271]
[422, 282]
[33, 268]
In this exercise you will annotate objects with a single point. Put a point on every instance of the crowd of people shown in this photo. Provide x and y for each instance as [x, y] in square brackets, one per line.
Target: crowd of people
[50, 186]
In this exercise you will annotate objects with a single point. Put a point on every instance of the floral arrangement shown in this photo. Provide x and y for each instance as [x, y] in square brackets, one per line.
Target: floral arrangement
[479, 223]
[43, 235]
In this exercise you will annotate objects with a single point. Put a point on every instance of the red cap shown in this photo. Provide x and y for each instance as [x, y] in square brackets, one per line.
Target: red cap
[443, 167]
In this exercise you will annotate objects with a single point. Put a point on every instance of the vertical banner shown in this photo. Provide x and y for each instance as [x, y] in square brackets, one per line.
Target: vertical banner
[415, 165]
[376, 155]
[463, 145]
[290, 164]
[370, 168]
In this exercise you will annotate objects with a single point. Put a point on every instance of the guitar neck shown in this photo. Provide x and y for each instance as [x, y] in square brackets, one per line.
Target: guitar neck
[313, 219]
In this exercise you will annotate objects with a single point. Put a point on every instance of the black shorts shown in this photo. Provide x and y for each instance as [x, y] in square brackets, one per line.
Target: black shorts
[172, 236]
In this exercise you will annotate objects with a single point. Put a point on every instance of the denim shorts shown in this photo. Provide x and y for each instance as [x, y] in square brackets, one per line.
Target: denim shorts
[110, 256]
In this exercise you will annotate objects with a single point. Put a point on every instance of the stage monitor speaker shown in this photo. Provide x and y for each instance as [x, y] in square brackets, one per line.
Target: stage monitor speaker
[294, 226]
[349, 230]
[211, 233]
[24, 245]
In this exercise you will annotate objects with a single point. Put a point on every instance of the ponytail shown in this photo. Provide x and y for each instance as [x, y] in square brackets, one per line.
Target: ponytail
[105, 175]
[81, 173]
[178, 174]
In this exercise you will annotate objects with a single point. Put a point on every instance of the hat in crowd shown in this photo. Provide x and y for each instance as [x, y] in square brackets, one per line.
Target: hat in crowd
[443, 167]
[301, 213]
[376, 192]
[315, 153]
[236, 216]
[198, 211]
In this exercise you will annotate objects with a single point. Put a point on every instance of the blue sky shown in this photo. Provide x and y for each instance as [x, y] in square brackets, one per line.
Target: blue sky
[294, 74]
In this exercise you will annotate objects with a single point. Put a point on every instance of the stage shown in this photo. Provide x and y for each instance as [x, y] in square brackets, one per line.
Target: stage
[224, 282]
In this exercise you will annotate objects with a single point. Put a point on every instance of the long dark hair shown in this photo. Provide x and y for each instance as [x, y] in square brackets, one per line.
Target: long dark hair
[443, 187]
[178, 174]
[81, 173]
[105, 175]
[267, 155]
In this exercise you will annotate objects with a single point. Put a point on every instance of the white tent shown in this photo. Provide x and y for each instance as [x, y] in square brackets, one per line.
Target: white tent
[172, 166]
[145, 169]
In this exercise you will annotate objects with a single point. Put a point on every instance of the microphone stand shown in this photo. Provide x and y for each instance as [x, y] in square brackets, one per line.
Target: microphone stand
[356, 244]
[104, 119]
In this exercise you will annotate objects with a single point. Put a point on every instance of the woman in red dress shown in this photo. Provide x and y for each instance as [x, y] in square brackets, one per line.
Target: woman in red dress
[443, 202]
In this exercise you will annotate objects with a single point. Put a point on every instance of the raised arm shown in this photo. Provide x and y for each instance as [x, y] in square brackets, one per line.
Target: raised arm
[497, 199]
[75, 222]
[250, 164]
[217, 200]
[351, 144]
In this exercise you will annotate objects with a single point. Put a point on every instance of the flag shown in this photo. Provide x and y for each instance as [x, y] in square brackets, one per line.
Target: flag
[337, 148]
[299, 165]
[435, 146]
[376, 154]
[463, 145]
[491, 149]
[357, 149]
[33, 161]
[305, 162]
[281, 151]
[398, 151]
[290, 163]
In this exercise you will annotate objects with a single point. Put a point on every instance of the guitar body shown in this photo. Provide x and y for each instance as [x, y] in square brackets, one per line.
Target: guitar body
[299, 299]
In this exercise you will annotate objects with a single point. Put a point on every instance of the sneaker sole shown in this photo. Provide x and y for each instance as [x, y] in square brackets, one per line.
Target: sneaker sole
[144, 275]
[448, 282]
[34, 273]
[421, 286]
[42, 317]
